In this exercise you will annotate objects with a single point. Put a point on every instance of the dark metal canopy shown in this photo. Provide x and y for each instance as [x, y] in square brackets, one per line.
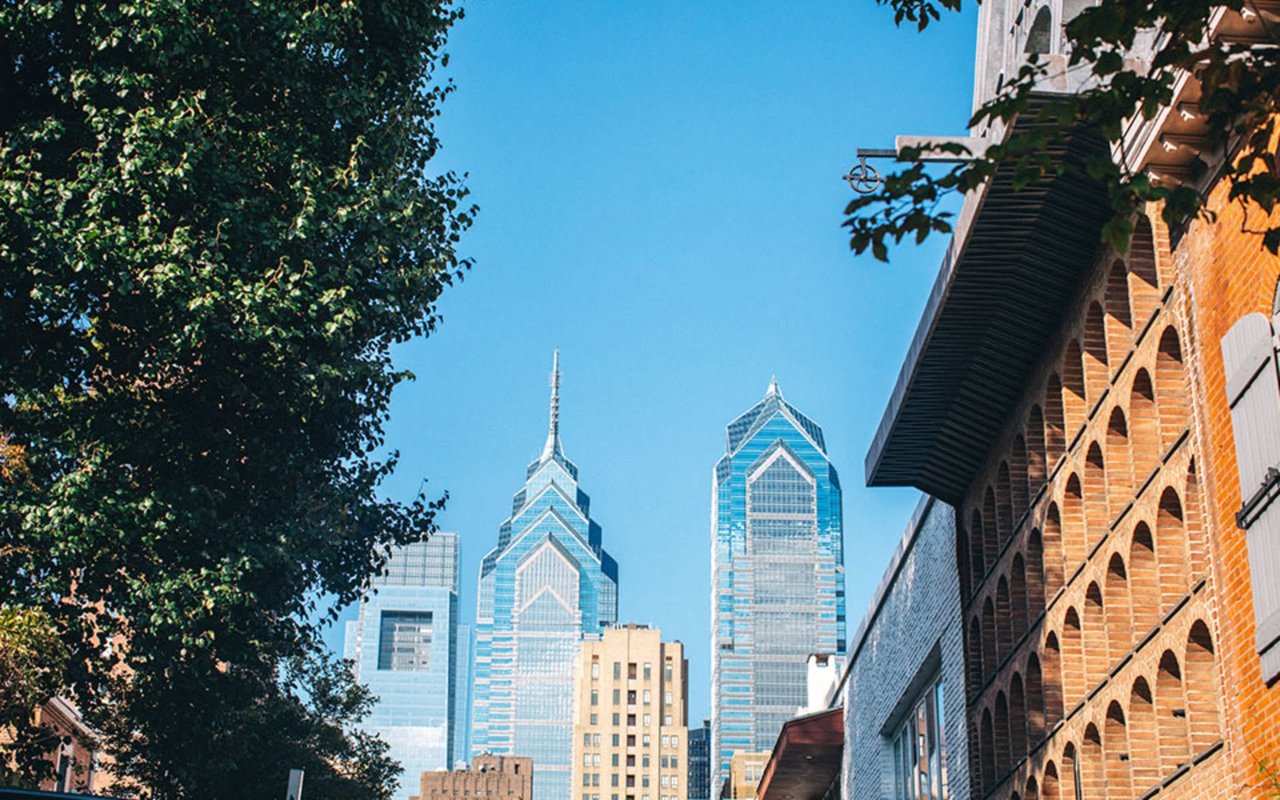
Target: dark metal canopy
[806, 758]
[1015, 264]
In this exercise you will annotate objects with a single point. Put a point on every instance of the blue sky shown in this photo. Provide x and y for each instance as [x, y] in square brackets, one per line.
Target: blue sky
[660, 198]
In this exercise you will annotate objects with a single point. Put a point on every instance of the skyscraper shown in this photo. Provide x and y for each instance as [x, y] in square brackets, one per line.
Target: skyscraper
[700, 761]
[630, 712]
[548, 582]
[777, 574]
[404, 645]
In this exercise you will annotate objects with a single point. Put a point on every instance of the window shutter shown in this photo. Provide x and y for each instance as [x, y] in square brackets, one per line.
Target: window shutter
[1253, 391]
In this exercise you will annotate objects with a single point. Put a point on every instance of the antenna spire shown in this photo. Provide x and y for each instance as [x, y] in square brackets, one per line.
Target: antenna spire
[552, 447]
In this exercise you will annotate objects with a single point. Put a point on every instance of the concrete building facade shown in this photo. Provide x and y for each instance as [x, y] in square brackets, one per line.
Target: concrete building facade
[700, 761]
[903, 690]
[630, 717]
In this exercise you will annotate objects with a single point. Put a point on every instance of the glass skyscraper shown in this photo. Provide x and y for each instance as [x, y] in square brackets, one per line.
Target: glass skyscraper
[777, 574]
[404, 645]
[548, 582]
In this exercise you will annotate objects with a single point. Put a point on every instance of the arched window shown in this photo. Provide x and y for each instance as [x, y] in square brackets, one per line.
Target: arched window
[1050, 789]
[1171, 388]
[1116, 738]
[994, 536]
[1144, 426]
[1144, 283]
[1093, 765]
[1072, 773]
[1052, 677]
[977, 547]
[987, 752]
[1119, 621]
[1037, 457]
[1004, 620]
[990, 657]
[1097, 518]
[1171, 550]
[1121, 475]
[1036, 725]
[1019, 606]
[1074, 534]
[1040, 37]
[1144, 580]
[1074, 398]
[1095, 635]
[1033, 789]
[1055, 425]
[1119, 316]
[1017, 720]
[1003, 761]
[1171, 715]
[1074, 683]
[1004, 502]
[1018, 474]
[1036, 598]
[1191, 524]
[1054, 551]
[977, 669]
[1202, 704]
[1144, 746]
[1095, 351]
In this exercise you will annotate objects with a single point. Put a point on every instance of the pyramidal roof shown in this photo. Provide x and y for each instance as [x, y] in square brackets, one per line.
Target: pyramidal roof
[746, 425]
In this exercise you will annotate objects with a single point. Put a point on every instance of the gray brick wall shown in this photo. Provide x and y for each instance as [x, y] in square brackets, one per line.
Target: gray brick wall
[911, 631]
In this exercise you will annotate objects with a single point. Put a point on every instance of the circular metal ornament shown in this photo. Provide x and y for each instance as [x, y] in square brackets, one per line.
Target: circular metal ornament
[863, 178]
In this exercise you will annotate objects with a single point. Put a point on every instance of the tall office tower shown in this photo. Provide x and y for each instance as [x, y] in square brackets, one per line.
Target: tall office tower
[700, 762]
[777, 574]
[630, 710]
[466, 650]
[404, 645]
[548, 582]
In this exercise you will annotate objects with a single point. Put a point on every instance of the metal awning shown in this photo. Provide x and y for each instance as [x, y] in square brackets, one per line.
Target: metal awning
[1014, 265]
[806, 758]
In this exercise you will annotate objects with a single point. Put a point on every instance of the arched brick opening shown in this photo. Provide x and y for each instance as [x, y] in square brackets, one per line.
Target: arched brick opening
[1119, 619]
[1171, 715]
[1171, 550]
[987, 753]
[1093, 773]
[1119, 316]
[992, 533]
[1096, 369]
[1019, 605]
[1004, 502]
[1171, 388]
[1033, 789]
[1144, 746]
[1095, 635]
[1196, 545]
[1116, 740]
[1144, 283]
[1074, 681]
[1004, 620]
[1074, 397]
[1035, 576]
[1055, 422]
[1052, 682]
[1035, 702]
[1018, 475]
[1144, 580]
[1119, 461]
[1202, 699]
[1003, 761]
[1017, 720]
[1097, 518]
[1072, 773]
[1144, 426]
[1037, 458]
[976, 669]
[1053, 551]
[1040, 34]
[990, 656]
[1074, 535]
[1050, 790]
[977, 548]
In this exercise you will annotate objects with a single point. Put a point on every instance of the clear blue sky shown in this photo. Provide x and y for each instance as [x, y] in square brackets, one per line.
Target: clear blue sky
[660, 197]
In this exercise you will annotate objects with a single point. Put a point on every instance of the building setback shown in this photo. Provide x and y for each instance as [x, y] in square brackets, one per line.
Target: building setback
[776, 574]
[492, 777]
[630, 712]
[546, 584]
[404, 648]
[1097, 418]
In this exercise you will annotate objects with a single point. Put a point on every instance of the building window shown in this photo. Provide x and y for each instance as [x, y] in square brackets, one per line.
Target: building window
[595, 670]
[617, 670]
[631, 671]
[647, 674]
[616, 717]
[648, 697]
[595, 697]
[919, 755]
[404, 641]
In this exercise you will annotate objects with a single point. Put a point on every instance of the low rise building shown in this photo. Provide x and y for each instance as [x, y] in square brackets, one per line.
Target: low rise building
[489, 776]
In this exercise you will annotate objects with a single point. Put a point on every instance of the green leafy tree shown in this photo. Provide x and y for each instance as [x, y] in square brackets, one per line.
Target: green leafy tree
[216, 218]
[1240, 98]
[32, 659]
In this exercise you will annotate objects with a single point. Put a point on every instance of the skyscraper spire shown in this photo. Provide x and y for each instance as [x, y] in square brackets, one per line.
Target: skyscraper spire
[552, 447]
[773, 386]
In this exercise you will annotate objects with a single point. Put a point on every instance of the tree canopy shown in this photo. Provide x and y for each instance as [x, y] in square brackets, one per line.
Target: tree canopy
[1239, 82]
[216, 218]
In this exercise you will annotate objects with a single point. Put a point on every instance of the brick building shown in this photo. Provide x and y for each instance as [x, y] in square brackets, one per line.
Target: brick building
[494, 777]
[1075, 406]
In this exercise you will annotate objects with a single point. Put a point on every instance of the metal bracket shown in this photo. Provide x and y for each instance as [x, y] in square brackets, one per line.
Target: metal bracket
[1261, 499]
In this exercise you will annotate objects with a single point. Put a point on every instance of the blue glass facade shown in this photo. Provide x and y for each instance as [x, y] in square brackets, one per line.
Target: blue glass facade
[777, 574]
[548, 582]
[404, 648]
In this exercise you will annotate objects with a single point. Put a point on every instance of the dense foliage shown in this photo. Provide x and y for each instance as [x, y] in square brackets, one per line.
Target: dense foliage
[1240, 84]
[216, 217]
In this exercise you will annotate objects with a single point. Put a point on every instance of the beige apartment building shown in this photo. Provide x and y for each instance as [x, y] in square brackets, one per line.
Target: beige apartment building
[630, 717]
